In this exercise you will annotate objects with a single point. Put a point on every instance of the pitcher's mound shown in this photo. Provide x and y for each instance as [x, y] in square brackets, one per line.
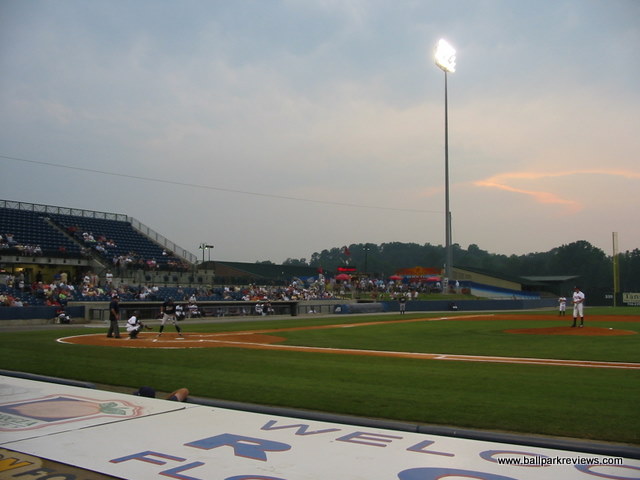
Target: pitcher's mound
[584, 331]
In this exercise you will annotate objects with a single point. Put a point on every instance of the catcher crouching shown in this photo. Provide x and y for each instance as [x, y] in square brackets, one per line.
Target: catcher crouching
[135, 326]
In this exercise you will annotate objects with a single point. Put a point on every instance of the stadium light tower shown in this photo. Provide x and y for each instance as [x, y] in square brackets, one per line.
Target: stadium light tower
[203, 247]
[445, 56]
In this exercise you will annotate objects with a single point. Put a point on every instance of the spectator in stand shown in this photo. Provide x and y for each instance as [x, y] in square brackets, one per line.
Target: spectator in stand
[194, 311]
[180, 313]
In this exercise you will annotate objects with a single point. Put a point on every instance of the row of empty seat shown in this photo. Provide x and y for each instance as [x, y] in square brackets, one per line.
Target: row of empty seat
[63, 234]
[126, 239]
[34, 229]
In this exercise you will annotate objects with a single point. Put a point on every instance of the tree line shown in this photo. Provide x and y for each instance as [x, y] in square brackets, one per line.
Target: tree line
[592, 266]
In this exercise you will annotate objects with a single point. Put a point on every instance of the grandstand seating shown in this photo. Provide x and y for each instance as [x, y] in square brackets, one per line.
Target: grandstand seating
[61, 235]
[25, 296]
[58, 232]
[33, 228]
[48, 231]
[127, 240]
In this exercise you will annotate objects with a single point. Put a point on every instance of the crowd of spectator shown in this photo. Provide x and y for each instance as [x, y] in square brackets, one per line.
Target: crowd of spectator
[377, 288]
[17, 291]
[108, 248]
[8, 241]
[92, 287]
[8, 300]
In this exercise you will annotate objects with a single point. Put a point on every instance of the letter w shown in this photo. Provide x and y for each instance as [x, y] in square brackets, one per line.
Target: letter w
[302, 429]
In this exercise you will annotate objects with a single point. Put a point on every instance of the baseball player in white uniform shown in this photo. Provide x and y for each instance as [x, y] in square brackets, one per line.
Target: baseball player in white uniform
[578, 306]
[135, 326]
[562, 306]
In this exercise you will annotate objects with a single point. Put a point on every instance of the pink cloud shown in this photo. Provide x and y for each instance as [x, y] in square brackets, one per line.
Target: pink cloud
[505, 182]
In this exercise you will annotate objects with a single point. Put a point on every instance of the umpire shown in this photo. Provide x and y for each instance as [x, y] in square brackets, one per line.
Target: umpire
[114, 317]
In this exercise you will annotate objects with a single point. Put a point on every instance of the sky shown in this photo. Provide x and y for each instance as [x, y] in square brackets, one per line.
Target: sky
[273, 129]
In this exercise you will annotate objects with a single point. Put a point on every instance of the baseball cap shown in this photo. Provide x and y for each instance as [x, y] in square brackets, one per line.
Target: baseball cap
[146, 392]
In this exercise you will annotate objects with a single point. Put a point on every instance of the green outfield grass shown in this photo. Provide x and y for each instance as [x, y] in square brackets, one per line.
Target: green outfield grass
[479, 337]
[591, 403]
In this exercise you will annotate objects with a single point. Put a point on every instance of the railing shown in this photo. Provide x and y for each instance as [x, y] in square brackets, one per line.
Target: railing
[76, 212]
[79, 212]
[162, 241]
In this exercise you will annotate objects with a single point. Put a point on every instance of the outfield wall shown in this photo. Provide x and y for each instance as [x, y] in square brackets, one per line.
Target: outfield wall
[98, 311]
[38, 314]
[446, 305]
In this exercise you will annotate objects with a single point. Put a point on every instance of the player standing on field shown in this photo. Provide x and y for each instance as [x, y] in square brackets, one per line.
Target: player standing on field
[402, 301]
[168, 312]
[562, 306]
[578, 306]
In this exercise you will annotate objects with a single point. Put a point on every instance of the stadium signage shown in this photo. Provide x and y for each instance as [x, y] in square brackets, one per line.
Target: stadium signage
[263, 450]
[346, 269]
[157, 439]
[631, 299]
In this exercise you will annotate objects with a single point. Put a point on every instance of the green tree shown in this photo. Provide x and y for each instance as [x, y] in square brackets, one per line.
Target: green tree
[296, 262]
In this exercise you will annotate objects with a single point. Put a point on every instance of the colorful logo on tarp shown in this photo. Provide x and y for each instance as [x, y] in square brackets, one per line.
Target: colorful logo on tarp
[57, 409]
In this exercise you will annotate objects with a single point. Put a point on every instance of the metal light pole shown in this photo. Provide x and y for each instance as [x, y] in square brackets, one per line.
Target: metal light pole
[366, 254]
[616, 270]
[203, 247]
[445, 57]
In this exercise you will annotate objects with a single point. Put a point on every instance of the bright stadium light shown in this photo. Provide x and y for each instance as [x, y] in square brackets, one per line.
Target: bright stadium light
[446, 60]
[445, 56]
[203, 247]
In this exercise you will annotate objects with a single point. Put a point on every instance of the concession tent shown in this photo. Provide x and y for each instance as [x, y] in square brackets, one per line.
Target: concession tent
[419, 274]
[343, 276]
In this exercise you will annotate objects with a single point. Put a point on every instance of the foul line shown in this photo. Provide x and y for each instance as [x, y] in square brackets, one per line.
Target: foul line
[434, 356]
[374, 353]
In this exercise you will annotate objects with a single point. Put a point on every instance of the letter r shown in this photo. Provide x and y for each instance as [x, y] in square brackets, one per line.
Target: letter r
[248, 447]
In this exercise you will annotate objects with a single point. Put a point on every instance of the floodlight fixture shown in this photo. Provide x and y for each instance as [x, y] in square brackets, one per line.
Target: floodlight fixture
[445, 56]
[203, 247]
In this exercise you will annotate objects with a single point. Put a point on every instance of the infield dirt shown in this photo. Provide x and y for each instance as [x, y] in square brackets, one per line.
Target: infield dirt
[266, 340]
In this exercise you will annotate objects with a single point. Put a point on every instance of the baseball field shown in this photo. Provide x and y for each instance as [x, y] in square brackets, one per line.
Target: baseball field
[522, 372]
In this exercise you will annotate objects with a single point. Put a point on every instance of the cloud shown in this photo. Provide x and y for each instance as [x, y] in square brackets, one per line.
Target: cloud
[505, 181]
